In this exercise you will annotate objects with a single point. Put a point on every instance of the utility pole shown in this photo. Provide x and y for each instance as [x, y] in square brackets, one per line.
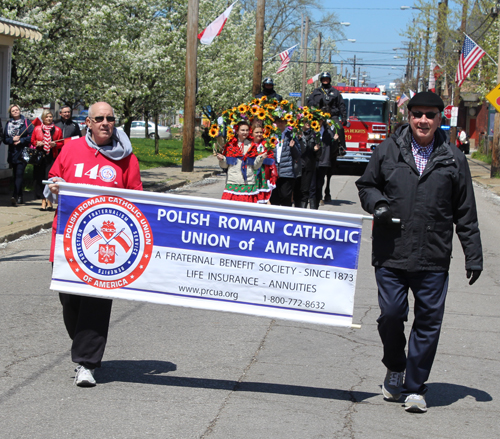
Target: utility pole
[318, 57]
[304, 65]
[259, 46]
[456, 97]
[442, 21]
[190, 97]
[495, 150]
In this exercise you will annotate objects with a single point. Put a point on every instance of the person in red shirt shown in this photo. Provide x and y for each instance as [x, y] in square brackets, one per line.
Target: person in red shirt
[44, 138]
[81, 161]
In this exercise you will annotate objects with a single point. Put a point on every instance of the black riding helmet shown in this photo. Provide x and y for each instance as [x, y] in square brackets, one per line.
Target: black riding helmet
[327, 76]
[268, 81]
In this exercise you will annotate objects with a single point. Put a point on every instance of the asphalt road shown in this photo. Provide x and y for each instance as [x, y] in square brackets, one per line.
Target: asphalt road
[171, 372]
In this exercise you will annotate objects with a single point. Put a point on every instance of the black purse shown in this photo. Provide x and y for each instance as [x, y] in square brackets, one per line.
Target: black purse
[32, 156]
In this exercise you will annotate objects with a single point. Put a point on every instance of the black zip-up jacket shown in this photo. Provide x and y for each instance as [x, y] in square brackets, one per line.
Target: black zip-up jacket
[428, 205]
[271, 94]
[68, 128]
[309, 156]
[330, 100]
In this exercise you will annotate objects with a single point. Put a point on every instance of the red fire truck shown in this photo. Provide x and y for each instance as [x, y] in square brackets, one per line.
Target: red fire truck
[369, 115]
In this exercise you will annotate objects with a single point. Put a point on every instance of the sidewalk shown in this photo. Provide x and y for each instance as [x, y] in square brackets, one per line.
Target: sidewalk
[27, 218]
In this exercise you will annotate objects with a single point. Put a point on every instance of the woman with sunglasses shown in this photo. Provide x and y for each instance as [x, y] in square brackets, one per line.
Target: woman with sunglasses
[44, 138]
[16, 136]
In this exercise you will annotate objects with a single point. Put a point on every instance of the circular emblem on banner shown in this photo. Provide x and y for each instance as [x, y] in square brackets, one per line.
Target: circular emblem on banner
[108, 242]
[107, 173]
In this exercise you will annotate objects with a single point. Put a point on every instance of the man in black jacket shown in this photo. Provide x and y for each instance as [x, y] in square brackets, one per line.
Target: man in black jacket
[417, 177]
[329, 100]
[268, 91]
[68, 127]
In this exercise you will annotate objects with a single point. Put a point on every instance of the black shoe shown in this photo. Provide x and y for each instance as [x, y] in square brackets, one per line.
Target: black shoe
[327, 198]
[13, 202]
[313, 203]
[20, 200]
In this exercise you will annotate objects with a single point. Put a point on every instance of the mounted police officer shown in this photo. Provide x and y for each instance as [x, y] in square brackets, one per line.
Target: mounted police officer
[329, 100]
[268, 90]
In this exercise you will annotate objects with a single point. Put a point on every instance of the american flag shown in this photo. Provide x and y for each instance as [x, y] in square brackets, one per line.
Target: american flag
[91, 238]
[285, 58]
[402, 99]
[470, 56]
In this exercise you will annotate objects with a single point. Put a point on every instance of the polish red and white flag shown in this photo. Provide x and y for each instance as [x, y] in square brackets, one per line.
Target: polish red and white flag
[313, 79]
[215, 28]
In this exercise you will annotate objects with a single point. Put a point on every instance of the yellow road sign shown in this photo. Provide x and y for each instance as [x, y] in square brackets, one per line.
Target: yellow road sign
[494, 97]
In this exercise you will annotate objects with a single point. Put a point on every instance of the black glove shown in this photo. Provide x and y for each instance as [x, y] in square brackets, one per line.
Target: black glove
[382, 214]
[473, 275]
[344, 122]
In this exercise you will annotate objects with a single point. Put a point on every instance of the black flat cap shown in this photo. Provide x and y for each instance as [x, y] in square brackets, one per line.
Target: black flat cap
[426, 99]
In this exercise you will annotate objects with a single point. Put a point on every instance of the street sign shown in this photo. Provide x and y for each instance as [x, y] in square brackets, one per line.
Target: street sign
[494, 97]
[295, 94]
[447, 111]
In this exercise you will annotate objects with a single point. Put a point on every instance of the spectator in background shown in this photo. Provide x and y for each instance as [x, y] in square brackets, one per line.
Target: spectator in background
[16, 136]
[44, 138]
[66, 124]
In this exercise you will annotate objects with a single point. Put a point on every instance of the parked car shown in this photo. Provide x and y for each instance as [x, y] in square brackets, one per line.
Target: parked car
[138, 130]
[80, 120]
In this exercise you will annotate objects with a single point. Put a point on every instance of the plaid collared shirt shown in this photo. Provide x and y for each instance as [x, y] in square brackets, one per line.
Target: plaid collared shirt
[421, 154]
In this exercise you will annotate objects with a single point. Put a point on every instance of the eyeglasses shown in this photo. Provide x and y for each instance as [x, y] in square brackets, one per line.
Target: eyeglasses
[99, 119]
[428, 114]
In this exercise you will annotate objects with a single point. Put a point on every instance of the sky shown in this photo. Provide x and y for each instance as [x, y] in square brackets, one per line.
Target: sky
[376, 27]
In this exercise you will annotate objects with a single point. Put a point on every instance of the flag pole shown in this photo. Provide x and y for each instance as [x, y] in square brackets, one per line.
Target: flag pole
[259, 46]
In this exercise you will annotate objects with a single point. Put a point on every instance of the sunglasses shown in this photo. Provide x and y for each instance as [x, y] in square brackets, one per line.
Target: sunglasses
[428, 114]
[100, 119]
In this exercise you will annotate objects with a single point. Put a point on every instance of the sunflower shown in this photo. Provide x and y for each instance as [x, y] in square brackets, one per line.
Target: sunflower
[262, 99]
[283, 102]
[288, 117]
[261, 114]
[315, 125]
[229, 133]
[214, 131]
[310, 116]
[254, 110]
[273, 141]
[242, 108]
[267, 132]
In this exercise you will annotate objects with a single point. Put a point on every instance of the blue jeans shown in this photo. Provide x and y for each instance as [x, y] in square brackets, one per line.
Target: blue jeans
[429, 290]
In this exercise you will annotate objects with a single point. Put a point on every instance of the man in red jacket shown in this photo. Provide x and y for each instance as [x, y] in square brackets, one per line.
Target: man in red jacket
[90, 160]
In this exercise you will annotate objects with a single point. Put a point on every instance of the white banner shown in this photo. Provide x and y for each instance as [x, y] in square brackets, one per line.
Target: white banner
[270, 261]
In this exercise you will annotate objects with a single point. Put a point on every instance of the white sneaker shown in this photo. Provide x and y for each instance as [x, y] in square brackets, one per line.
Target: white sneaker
[393, 382]
[415, 403]
[84, 377]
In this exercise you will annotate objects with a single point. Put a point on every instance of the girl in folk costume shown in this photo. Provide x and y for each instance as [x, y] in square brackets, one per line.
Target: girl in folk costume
[44, 139]
[266, 176]
[240, 158]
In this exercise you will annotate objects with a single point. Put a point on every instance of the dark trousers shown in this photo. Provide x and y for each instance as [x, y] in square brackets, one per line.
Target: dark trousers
[321, 173]
[282, 194]
[41, 172]
[429, 290]
[18, 176]
[87, 322]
